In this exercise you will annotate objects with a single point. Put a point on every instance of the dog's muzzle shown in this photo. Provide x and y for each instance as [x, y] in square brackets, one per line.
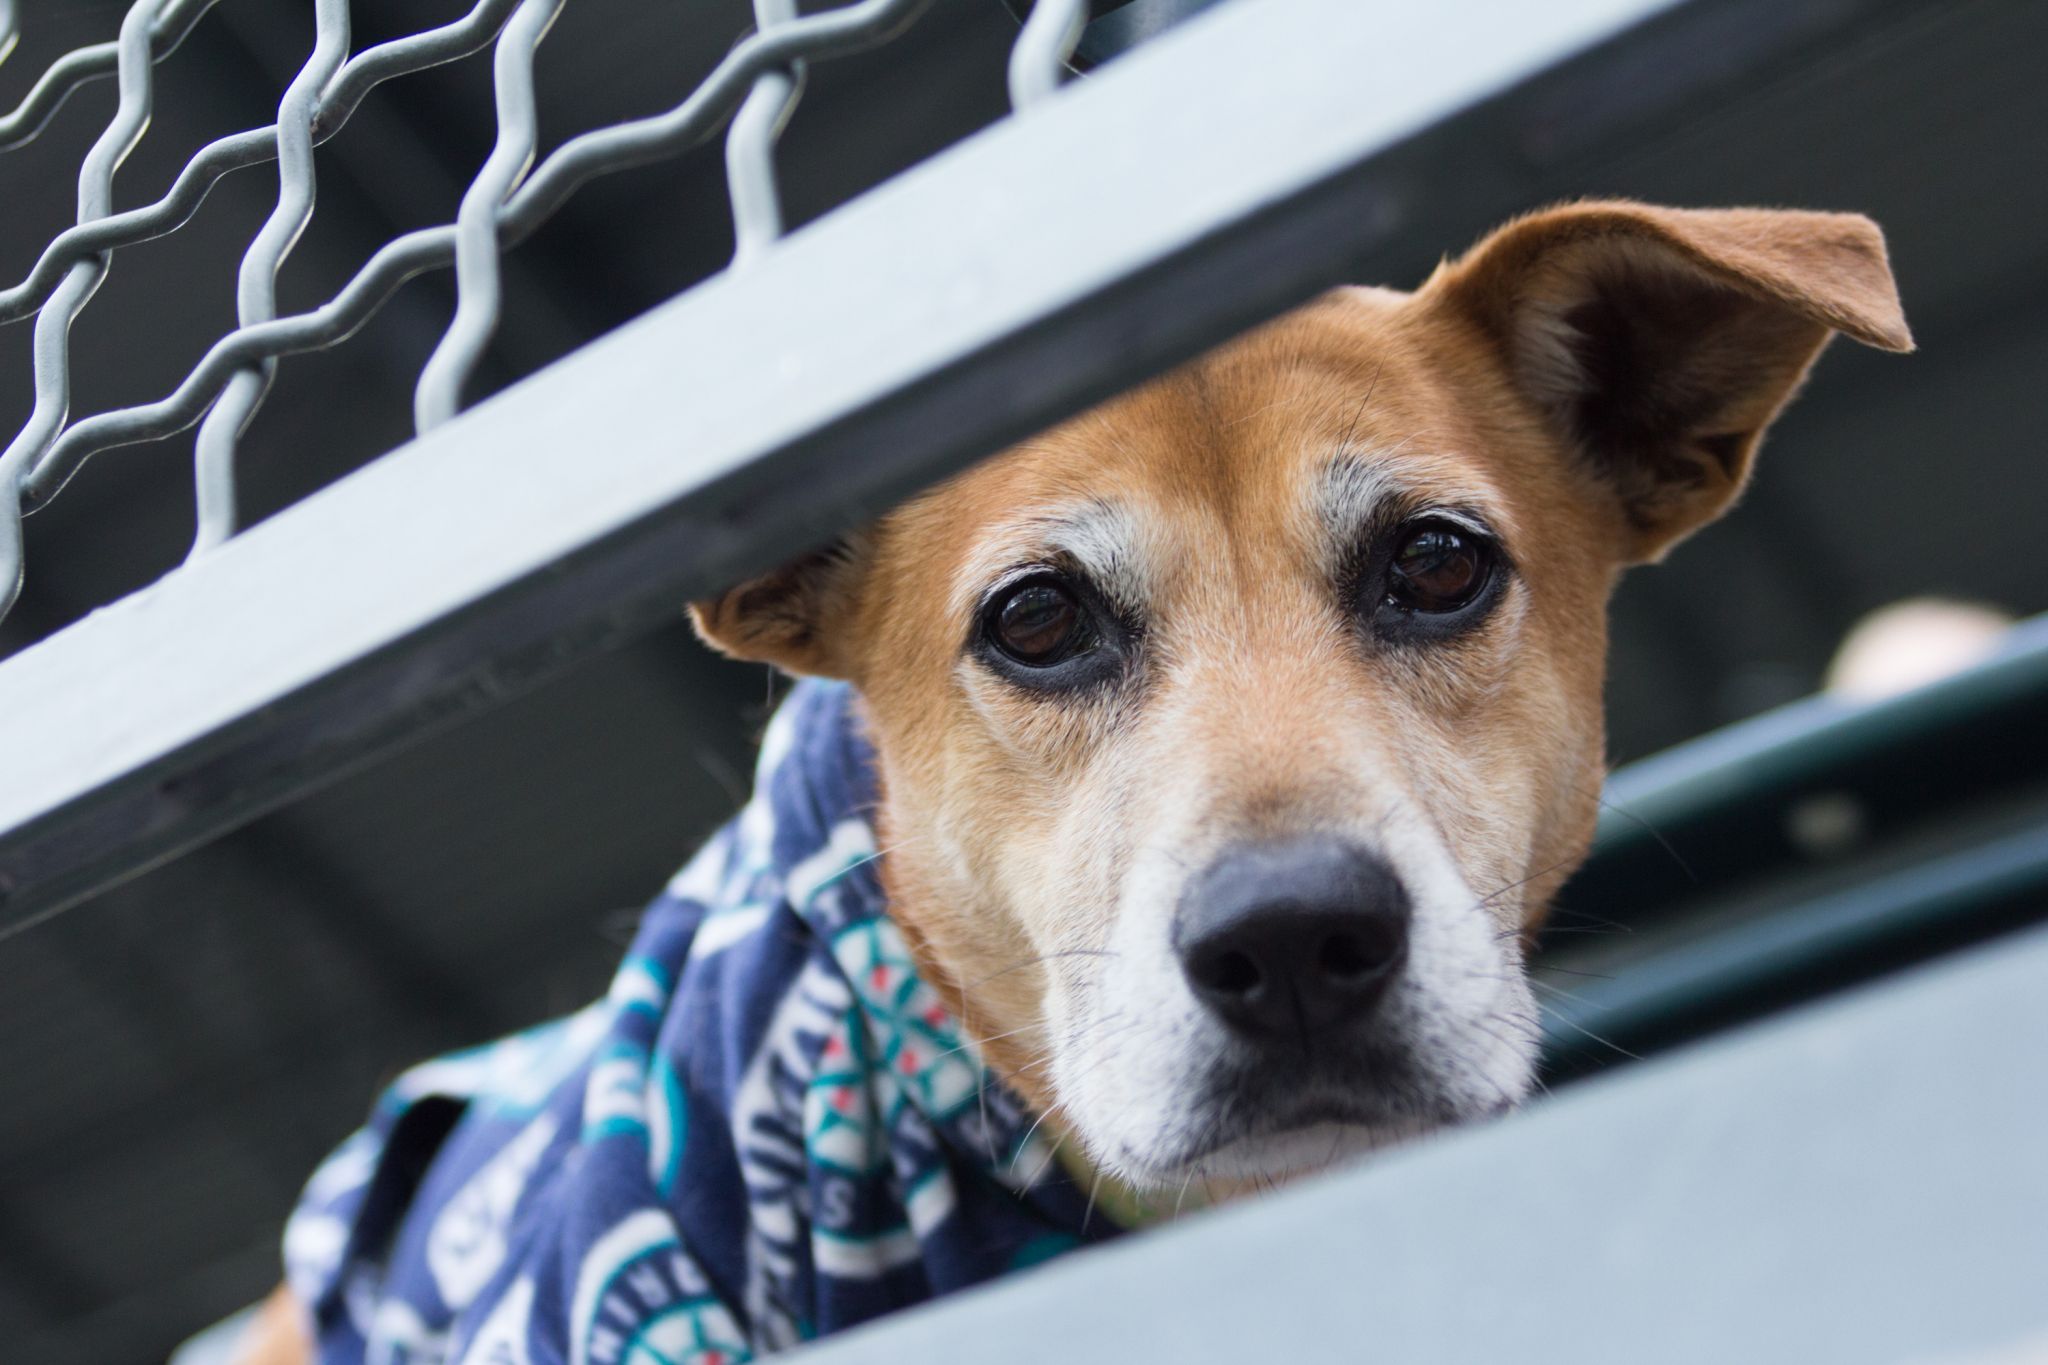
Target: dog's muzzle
[1292, 941]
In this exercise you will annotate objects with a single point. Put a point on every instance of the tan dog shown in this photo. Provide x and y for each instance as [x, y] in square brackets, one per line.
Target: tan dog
[1235, 735]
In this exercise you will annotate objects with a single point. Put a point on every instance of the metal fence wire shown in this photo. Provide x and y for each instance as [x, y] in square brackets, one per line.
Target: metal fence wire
[752, 92]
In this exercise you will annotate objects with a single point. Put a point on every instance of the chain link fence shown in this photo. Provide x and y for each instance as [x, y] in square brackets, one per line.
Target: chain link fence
[752, 93]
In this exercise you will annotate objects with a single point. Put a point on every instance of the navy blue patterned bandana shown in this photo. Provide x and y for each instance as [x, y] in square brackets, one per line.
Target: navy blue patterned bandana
[769, 1129]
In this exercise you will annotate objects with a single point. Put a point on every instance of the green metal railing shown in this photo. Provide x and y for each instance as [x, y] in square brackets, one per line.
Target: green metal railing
[1805, 850]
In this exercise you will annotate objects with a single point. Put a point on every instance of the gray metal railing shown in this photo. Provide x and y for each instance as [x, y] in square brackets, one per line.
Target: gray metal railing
[1036, 268]
[1219, 174]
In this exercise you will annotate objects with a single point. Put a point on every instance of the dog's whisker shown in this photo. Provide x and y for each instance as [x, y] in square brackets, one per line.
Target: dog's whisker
[1023, 1143]
[1260, 412]
[1484, 1024]
[1573, 971]
[988, 1081]
[1576, 1027]
[1538, 875]
[1035, 961]
[1358, 413]
[1562, 992]
[975, 1044]
[1567, 912]
[1644, 825]
[1181, 1198]
[1059, 1140]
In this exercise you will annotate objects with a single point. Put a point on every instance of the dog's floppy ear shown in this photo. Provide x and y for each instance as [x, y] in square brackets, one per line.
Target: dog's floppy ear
[1663, 341]
[797, 617]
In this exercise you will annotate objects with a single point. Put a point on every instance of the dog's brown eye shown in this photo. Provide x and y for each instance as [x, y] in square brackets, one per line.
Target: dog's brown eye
[1037, 624]
[1436, 569]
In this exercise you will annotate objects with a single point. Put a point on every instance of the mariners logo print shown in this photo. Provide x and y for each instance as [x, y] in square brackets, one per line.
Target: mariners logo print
[770, 1128]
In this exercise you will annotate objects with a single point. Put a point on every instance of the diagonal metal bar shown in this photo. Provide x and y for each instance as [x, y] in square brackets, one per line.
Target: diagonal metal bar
[750, 145]
[363, 73]
[640, 142]
[52, 343]
[438, 395]
[256, 289]
[831, 33]
[169, 213]
[1038, 63]
[91, 242]
[74, 69]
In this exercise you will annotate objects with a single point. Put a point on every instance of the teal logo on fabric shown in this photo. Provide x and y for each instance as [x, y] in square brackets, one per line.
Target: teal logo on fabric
[641, 1299]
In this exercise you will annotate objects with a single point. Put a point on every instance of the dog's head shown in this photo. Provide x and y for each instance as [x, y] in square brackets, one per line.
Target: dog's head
[1235, 734]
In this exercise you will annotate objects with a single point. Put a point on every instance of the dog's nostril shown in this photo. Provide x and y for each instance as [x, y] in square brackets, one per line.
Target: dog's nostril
[1344, 957]
[1358, 953]
[1229, 973]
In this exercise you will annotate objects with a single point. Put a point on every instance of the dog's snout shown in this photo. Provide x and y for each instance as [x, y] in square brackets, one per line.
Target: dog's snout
[1280, 939]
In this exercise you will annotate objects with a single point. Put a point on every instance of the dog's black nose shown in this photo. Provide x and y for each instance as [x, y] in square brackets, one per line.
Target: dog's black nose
[1285, 938]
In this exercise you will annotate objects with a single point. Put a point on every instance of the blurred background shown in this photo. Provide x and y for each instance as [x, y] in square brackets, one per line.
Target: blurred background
[177, 1054]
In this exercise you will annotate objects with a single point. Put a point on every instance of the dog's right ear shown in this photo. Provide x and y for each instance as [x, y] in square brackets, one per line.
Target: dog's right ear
[796, 617]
